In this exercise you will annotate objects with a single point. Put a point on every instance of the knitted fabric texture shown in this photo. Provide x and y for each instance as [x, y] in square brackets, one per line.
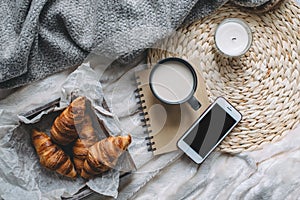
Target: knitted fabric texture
[41, 37]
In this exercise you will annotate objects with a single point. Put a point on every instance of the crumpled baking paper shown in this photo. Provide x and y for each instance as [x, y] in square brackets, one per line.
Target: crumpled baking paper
[21, 172]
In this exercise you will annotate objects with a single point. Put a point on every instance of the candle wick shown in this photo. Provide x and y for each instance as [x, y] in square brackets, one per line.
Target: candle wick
[234, 38]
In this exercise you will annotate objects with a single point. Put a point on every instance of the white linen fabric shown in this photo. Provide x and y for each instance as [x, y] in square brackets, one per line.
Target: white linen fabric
[269, 173]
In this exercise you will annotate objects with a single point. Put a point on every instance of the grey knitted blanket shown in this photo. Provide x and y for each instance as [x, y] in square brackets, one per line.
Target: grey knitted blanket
[41, 37]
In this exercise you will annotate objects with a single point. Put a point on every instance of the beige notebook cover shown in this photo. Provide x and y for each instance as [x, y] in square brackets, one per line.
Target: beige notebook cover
[167, 123]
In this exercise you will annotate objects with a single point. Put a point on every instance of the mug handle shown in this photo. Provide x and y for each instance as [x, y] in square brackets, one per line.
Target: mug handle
[195, 104]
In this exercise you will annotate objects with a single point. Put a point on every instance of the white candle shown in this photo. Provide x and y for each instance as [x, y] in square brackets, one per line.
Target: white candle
[233, 37]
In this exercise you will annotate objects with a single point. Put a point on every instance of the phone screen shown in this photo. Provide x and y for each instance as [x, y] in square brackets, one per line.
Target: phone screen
[211, 128]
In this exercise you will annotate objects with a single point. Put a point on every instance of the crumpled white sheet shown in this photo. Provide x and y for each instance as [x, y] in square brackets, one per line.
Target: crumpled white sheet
[268, 173]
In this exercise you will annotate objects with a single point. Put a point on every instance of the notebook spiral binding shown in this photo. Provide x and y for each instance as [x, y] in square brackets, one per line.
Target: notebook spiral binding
[145, 120]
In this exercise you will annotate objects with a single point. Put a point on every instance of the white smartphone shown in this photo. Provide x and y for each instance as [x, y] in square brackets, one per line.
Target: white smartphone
[209, 130]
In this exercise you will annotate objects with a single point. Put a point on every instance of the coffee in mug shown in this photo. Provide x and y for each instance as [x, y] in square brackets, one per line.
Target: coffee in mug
[174, 81]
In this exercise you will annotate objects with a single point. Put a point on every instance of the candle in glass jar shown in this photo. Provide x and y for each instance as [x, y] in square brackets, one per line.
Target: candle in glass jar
[233, 37]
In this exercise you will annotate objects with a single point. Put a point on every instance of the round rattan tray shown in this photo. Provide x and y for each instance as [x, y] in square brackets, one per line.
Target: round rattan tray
[263, 84]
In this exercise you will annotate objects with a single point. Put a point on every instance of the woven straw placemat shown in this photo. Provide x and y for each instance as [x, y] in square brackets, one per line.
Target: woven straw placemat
[264, 84]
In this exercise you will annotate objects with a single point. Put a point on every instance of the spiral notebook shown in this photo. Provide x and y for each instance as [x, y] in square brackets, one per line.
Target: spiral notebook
[164, 123]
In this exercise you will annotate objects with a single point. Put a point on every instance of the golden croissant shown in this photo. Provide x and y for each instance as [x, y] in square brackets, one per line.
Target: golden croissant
[104, 155]
[63, 130]
[51, 155]
[87, 137]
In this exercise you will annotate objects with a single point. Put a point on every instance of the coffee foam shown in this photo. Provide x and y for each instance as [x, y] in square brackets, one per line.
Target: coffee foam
[172, 81]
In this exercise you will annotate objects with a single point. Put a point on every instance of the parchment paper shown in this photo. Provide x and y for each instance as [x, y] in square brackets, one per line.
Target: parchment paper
[20, 170]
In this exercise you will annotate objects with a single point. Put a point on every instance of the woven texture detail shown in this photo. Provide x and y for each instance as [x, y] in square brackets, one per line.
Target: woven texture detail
[263, 84]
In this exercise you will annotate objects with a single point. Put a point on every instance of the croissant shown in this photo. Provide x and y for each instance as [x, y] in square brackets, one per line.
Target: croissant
[63, 130]
[104, 155]
[51, 155]
[87, 138]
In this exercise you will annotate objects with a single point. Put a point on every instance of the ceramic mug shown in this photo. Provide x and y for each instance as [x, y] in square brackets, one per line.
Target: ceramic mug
[174, 81]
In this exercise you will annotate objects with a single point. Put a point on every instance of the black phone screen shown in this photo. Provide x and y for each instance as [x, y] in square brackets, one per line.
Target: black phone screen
[211, 128]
